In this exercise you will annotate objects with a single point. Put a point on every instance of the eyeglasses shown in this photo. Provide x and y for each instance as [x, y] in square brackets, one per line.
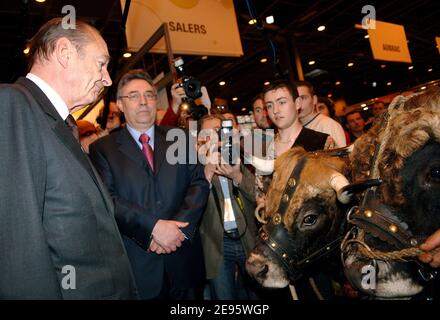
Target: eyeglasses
[136, 96]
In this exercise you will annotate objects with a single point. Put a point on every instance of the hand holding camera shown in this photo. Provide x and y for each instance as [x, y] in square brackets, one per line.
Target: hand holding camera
[192, 88]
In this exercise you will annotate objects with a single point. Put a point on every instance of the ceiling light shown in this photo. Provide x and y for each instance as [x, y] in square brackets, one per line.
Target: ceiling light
[243, 109]
[364, 105]
[338, 83]
[270, 19]
[350, 64]
[321, 28]
[366, 36]
[312, 62]
[329, 95]
[252, 21]
[127, 55]
[383, 66]
[389, 83]
[263, 60]
[374, 84]
[40, 1]
[204, 57]
[267, 83]
[26, 50]
[234, 99]
[410, 67]
[365, 108]
[430, 70]
[423, 88]
[222, 83]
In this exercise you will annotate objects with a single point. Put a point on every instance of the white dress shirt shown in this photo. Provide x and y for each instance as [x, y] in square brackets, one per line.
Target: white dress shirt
[51, 94]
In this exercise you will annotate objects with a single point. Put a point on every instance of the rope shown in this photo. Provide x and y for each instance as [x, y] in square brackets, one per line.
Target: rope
[365, 250]
[391, 255]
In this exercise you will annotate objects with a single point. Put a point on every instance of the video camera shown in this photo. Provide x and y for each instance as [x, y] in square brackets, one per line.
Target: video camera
[193, 91]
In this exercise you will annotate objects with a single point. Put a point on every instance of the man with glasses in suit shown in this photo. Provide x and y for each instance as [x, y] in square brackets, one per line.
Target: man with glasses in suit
[158, 203]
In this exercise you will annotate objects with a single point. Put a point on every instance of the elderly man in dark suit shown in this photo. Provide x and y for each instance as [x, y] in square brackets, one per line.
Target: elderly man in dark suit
[158, 203]
[58, 236]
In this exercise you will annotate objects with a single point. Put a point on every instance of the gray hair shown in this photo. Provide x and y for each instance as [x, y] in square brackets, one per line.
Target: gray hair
[42, 45]
[136, 74]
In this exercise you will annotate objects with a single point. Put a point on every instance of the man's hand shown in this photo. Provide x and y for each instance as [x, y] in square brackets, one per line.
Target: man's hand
[177, 92]
[230, 171]
[433, 242]
[167, 234]
[207, 148]
[154, 247]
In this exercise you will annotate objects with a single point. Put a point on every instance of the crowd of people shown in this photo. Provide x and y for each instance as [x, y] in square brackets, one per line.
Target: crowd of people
[99, 212]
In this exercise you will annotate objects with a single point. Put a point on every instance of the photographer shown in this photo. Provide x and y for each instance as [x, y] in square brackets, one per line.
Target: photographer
[228, 229]
[189, 97]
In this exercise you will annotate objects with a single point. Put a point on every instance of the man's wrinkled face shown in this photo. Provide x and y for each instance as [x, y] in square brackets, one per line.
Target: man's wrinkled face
[88, 72]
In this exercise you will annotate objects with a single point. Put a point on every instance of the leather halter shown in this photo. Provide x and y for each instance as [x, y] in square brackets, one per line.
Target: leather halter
[380, 221]
[275, 235]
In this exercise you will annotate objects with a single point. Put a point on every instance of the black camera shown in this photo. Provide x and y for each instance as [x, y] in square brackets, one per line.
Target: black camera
[193, 90]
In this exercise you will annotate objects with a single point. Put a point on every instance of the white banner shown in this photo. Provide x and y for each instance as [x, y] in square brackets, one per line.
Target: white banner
[199, 27]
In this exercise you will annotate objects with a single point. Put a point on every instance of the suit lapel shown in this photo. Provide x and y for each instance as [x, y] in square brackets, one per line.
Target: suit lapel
[131, 149]
[63, 133]
[57, 124]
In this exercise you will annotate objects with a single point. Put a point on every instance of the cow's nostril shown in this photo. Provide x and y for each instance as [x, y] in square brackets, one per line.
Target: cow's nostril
[263, 271]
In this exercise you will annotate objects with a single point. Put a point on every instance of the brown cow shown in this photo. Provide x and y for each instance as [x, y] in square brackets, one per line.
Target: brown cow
[304, 217]
[403, 150]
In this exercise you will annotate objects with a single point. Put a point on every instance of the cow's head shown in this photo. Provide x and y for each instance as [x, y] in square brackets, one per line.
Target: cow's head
[304, 216]
[404, 152]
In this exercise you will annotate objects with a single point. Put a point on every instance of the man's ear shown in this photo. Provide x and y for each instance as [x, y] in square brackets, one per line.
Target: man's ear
[298, 103]
[315, 99]
[120, 105]
[63, 51]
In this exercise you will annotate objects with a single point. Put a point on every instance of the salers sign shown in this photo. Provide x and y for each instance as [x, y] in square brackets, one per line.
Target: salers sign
[204, 27]
[388, 42]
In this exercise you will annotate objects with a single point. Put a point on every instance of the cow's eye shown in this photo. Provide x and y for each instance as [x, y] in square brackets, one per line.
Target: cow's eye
[310, 219]
[434, 174]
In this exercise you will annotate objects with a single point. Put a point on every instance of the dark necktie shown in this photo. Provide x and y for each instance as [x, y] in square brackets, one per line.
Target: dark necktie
[71, 123]
[146, 149]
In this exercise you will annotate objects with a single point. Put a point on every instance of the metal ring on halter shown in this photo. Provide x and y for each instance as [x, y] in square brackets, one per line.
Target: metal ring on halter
[260, 217]
[350, 212]
[362, 244]
[345, 243]
[342, 247]
[349, 233]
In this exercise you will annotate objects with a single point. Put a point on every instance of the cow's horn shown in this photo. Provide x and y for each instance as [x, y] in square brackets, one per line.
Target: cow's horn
[264, 167]
[338, 181]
